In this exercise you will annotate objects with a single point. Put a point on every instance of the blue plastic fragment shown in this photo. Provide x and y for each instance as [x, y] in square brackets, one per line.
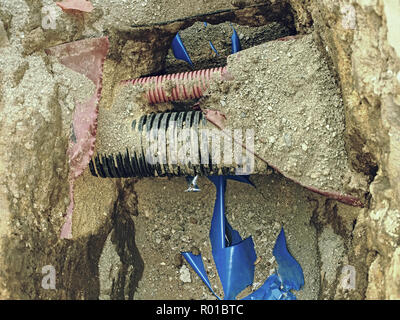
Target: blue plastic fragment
[179, 50]
[234, 257]
[236, 47]
[221, 231]
[289, 270]
[213, 48]
[192, 184]
[196, 262]
[211, 44]
[271, 290]
[289, 277]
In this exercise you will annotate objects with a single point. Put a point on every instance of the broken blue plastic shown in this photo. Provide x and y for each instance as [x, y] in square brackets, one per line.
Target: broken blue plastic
[192, 184]
[289, 270]
[234, 257]
[196, 262]
[211, 44]
[236, 47]
[179, 50]
[271, 290]
[213, 48]
[290, 275]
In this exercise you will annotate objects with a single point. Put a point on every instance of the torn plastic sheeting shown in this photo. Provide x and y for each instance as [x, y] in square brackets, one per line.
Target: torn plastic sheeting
[179, 50]
[271, 290]
[86, 57]
[76, 5]
[289, 276]
[234, 257]
[216, 117]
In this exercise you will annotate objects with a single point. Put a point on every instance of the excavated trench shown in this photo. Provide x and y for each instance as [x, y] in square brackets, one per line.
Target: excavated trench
[128, 233]
[155, 219]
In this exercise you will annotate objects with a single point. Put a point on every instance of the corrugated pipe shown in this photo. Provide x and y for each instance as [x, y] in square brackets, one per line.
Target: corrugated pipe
[178, 86]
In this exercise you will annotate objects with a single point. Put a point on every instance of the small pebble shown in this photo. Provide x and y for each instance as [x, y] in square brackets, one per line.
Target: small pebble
[195, 251]
[272, 140]
[184, 274]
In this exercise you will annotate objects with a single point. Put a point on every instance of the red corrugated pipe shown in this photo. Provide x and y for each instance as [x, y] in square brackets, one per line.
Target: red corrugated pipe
[185, 85]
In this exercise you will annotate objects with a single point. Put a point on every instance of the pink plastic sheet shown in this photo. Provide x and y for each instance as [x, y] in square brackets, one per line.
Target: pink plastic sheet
[86, 57]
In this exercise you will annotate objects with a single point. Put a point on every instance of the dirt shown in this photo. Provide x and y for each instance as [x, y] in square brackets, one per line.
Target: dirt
[151, 11]
[286, 93]
[285, 101]
[38, 98]
[128, 233]
[167, 225]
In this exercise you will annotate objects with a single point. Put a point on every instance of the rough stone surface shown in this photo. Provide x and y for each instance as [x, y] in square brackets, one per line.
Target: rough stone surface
[373, 108]
[331, 250]
[362, 41]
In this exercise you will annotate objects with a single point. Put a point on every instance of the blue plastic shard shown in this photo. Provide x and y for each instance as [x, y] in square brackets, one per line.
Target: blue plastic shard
[235, 266]
[213, 48]
[290, 275]
[236, 47]
[234, 258]
[179, 50]
[211, 44]
[242, 178]
[221, 231]
[192, 184]
[289, 270]
[271, 290]
[196, 262]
